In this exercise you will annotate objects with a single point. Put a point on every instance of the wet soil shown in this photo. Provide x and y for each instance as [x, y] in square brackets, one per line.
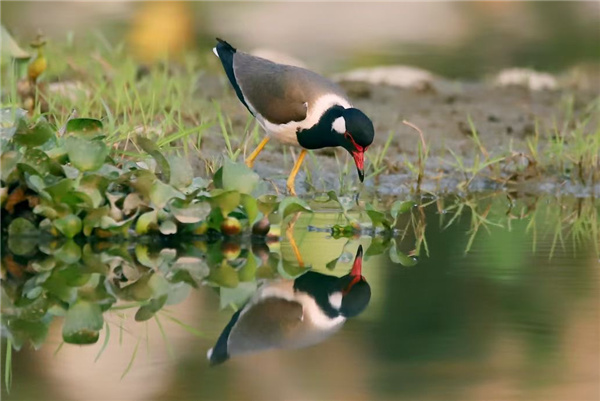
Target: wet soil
[505, 119]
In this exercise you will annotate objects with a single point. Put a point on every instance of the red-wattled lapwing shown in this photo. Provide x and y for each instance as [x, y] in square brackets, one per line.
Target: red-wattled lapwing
[293, 314]
[297, 107]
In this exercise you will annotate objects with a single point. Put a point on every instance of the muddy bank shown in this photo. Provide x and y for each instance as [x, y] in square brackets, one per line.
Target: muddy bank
[506, 119]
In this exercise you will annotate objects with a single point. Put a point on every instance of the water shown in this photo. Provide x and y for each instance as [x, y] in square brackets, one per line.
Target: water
[507, 311]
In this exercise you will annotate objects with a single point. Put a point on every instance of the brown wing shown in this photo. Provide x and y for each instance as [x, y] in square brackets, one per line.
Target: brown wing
[279, 93]
[265, 325]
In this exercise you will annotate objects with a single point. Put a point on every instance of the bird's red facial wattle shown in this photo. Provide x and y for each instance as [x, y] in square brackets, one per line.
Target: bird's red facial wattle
[359, 156]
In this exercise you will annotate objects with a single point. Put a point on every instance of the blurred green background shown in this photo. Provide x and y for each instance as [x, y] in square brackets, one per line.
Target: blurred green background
[454, 39]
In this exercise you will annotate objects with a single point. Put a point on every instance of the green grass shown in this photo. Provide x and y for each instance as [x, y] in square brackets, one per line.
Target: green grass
[177, 105]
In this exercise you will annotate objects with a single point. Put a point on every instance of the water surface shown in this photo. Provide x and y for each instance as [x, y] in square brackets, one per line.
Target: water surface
[503, 303]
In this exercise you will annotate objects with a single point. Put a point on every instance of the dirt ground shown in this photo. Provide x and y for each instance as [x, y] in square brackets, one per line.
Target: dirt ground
[505, 117]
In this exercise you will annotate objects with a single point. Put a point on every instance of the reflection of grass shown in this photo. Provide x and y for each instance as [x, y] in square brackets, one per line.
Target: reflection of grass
[563, 219]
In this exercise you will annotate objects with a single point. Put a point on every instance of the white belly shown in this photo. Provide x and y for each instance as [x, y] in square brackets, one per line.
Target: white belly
[287, 133]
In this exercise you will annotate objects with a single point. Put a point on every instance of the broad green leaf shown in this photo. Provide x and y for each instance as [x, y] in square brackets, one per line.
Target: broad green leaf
[227, 201]
[181, 172]
[93, 219]
[189, 214]
[152, 149]
[69, 226]
[238, 177]
[37, 160]
[9, 46]
[267, 203]
[9, 161]
[83, 323]
[85, 127]
[86, 155]
[168, 227]
[35, 135]
[161, 193]
[146, 222]
[251, 207]
[69, 252]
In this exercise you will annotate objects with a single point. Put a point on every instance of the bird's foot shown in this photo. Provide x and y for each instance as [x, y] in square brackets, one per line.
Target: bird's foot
[249, 163]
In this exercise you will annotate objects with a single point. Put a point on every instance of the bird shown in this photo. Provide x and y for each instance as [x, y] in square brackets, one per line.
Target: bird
[291, 314]
[297, 107]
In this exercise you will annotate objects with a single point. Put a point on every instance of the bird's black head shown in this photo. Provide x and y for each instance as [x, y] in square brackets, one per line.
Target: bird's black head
[357, 133]
[356, 292]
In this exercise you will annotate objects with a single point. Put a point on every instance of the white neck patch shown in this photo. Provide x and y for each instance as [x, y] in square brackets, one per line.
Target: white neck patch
[339, 125]
[335, 300]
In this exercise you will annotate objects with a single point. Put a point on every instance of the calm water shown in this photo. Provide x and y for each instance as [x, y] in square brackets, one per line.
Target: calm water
[511, 313]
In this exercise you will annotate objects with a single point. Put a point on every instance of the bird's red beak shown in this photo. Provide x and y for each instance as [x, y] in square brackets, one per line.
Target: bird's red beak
[356, 272]
[357, 266]
[359, 159]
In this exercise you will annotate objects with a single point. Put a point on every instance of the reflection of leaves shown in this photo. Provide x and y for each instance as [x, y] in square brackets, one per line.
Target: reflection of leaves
[146, 312]
[21, 236]
[378, 218]
[292, 205]
[83, 323]
[400, 257]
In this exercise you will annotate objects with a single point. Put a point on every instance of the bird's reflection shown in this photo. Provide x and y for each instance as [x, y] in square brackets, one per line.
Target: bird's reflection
[294, 313]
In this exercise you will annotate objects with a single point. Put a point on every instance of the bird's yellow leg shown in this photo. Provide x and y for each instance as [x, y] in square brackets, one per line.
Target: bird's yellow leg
[289, 233]
[259, 148]
[292, 177]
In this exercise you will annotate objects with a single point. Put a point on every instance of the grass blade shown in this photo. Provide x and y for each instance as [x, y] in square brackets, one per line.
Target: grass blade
[8, 366]
[106, 338]
[128, 368]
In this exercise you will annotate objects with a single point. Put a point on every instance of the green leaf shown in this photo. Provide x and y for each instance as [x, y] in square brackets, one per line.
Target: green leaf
[152, 149]
[86, 155]
[251, 207]
[83, 323]
[238, 177]
[189, 214]
[9, 46]
[267, 203]
[181, 172]
[146, 222]
[33, 136]
[161, 193]
[69, 226]
[85, 127]
[93, 219]
[227, 201]
[69, 252]
[168, 227]
[22, 237]
[291, 205]
[237, 296]
[36, 160]
[9, 161]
